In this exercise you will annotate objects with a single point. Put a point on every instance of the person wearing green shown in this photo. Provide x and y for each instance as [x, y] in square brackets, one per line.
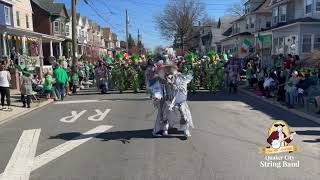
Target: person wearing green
[214, 72]
[47, 86]
[61, 80]
[134, 73]
[119, 73]
[190, 68]
[249, 75]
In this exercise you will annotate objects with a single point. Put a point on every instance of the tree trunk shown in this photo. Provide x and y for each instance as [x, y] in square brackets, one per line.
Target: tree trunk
[182, 43]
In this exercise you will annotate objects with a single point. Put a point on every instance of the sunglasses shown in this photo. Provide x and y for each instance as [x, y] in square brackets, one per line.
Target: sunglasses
[276, 125]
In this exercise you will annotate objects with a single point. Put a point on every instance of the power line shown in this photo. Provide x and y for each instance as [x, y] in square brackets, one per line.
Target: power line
[99, 15]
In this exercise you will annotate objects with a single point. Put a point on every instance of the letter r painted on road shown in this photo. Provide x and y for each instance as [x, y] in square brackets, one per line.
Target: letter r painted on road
[99, 116]
[74, 116]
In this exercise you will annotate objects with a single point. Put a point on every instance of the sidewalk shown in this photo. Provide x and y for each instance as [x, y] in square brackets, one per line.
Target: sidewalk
[299, 111]
[17, 109]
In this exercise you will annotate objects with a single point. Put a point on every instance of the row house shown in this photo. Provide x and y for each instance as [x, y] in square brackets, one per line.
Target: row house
[211, 36]
[43, 29]
[111, 41]
[50, 18]
[295, 26]
[240, 38]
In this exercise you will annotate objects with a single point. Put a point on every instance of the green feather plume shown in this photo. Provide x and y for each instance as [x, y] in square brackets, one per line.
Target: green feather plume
[135, 58]
[191, 57]
[212, 55]
[119, 56]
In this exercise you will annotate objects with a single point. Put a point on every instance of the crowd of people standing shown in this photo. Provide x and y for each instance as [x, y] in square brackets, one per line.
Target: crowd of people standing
[285, 81]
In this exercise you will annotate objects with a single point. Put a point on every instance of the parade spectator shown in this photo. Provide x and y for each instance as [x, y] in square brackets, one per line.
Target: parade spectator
[74, 80]
[5, 79]
[288, 63]
[47, 86]
[291, 89]
[281, 78]
[249, 75]
[26, 88]
[61, 79]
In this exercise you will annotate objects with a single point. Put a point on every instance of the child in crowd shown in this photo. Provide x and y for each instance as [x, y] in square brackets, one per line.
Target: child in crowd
[74, 80]
[26, 88]
[47, 87]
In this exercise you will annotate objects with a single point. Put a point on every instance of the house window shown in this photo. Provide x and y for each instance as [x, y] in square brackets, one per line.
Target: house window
[56, 27]
[306, 43]
[62, 28]
[248, 23]
[67, 30]
[18, 18]
[7, 15]
[268, 24]
[283, 13]
[275, 15]
[27, 21]
[308, 6]
[316, 44]
[317, 5]
[252, 21]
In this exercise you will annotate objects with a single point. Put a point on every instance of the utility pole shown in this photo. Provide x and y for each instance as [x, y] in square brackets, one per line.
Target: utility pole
[138, 43]
[127, 33]
[74, 32]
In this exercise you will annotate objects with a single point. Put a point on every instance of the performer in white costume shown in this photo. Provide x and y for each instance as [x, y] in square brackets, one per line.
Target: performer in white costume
[170, 97]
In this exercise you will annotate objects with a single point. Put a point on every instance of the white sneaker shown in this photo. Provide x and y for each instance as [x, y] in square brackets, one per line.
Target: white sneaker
[165, 133]
[187, 133]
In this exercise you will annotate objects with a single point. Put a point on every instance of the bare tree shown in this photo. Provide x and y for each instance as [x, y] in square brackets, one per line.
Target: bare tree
[178, 18]
[207, 20]
[236, 9]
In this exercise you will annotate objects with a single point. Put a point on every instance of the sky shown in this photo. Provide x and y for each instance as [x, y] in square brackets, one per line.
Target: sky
[111, 13]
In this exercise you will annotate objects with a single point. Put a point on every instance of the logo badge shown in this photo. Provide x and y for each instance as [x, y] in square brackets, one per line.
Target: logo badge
[279, 139]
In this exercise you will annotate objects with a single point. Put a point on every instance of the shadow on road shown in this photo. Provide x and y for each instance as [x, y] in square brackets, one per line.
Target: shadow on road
[312, 141]
[122, 136]
[258, 105]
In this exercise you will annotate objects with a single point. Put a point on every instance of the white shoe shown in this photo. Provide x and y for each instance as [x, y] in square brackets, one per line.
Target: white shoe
[187, 133]
[165, 133]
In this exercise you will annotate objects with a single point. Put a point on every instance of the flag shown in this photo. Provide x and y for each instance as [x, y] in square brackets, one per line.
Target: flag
[259, 42]
[245, 45]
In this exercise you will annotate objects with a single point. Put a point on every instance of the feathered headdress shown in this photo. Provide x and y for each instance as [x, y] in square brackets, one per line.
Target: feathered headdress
[212, 55]
[109, 60]
[134, 58]
[191, 57]
[119, 56]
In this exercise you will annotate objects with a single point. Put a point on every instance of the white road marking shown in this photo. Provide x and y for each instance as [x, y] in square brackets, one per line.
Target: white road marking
[95, 101]
[62, 149]
[99, 116]
[20, 164]
[74, 116]
[53, 153]
[77, 102]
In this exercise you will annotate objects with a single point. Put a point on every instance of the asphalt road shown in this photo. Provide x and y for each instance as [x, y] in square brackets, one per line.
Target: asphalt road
[224, 145]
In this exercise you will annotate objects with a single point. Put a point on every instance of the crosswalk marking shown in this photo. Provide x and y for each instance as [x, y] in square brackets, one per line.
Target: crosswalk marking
[20, 164]
[23, 162]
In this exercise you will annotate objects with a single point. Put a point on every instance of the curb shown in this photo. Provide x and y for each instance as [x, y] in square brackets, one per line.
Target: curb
[298, 113]
[25, 112]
